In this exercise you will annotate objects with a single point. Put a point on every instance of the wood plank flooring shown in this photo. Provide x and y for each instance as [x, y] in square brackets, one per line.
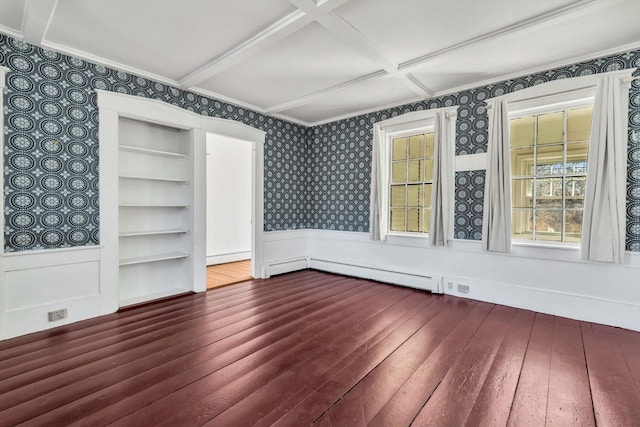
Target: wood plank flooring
[226, 274]
[312, 348]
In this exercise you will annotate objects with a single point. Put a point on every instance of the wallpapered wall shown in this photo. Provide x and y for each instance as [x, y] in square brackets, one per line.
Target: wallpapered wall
[340, 154]
[314, 177]
[51, 147]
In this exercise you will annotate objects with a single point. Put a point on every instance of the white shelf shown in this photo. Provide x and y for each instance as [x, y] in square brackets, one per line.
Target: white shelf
[155, 178]
[153, 232]
[151, 297]
[150, 205]
[152, 152]
[153, 258]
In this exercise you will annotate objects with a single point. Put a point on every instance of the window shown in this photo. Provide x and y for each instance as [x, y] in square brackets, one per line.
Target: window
[411, 181]
[548, 172]
[403, 177]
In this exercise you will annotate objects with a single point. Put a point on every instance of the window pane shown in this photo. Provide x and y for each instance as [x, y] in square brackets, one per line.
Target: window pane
[427, 195]
[522, 131]
[522, 161]
[573, 226]
[574, 191]
[577, 157]
[426, 220]
[416, 146]
[579, 124]
[548, 187]
[522, 224]
[548, 193]
[428, 170]
[413, 219]
[414, 195]
[550, 160]
[548, 225]
[522, 193]
[416, 169]
[399, 148]
[397, 196]
[550, 128]
[397, 220]
[399, 172]
[430, 142]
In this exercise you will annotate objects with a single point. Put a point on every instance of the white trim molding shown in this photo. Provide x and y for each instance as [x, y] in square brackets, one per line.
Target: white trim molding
[3, 290]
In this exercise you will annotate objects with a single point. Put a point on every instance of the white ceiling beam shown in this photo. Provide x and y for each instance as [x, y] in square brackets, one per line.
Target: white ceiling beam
[321, 93]
[278, 31]
[345, 31]
[36, 19]
[412, 83]
[553, 16]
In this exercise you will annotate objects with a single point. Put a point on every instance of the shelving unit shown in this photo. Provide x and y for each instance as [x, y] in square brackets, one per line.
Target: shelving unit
[155, 192]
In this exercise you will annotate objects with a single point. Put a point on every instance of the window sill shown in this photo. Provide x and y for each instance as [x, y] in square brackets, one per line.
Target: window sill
[546, 245]
[408, 239]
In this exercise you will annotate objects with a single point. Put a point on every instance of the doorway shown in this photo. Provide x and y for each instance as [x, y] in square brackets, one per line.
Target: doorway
[229, 240]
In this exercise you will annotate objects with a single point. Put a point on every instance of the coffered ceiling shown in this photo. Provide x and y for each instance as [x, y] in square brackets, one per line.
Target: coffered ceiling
[313, 61]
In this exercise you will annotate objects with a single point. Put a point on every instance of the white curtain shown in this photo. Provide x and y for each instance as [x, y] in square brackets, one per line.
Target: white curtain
[496, 222]
[603, 225]
[442, 190]
[379, 193]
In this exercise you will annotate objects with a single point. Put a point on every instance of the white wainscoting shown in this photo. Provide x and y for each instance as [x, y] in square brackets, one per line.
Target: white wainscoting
[37, 282]
[547, 280]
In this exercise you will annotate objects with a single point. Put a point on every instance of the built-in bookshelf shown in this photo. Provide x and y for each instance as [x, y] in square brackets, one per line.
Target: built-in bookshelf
[155, 219]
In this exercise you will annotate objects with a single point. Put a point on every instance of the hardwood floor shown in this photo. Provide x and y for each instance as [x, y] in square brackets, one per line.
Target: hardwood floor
[227, 274]
[315, 348]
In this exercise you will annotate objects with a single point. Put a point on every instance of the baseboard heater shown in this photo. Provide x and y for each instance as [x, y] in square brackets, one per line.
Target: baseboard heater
[284, 266]
[380, 274]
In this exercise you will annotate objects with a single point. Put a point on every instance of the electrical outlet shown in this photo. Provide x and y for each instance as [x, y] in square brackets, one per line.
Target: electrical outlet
[57, 315]
[463, 289]
[450, 285]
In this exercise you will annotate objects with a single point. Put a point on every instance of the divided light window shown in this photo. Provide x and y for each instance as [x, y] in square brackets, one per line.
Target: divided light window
[411, 182]
[548, 170]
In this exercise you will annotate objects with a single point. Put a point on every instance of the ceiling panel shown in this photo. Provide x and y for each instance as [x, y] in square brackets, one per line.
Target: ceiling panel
[165, 37]
[11, 13]
[364, 96]
[310, 60]
[408, 29]
[521, 52]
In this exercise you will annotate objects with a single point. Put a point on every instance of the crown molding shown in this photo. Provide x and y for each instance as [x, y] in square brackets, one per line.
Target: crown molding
[11, 32]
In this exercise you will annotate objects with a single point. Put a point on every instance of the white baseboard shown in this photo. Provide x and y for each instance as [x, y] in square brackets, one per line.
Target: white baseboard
[529, 278]
[224, 258]
[564, 304]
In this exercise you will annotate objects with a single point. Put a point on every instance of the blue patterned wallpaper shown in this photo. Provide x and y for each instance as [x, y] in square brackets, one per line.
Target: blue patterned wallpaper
[341, 154]
[314, 177]
[51, 147]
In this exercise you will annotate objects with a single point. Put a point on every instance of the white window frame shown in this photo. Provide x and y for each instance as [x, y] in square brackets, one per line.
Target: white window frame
[410, 123]
[543, 105]
[399, 131]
